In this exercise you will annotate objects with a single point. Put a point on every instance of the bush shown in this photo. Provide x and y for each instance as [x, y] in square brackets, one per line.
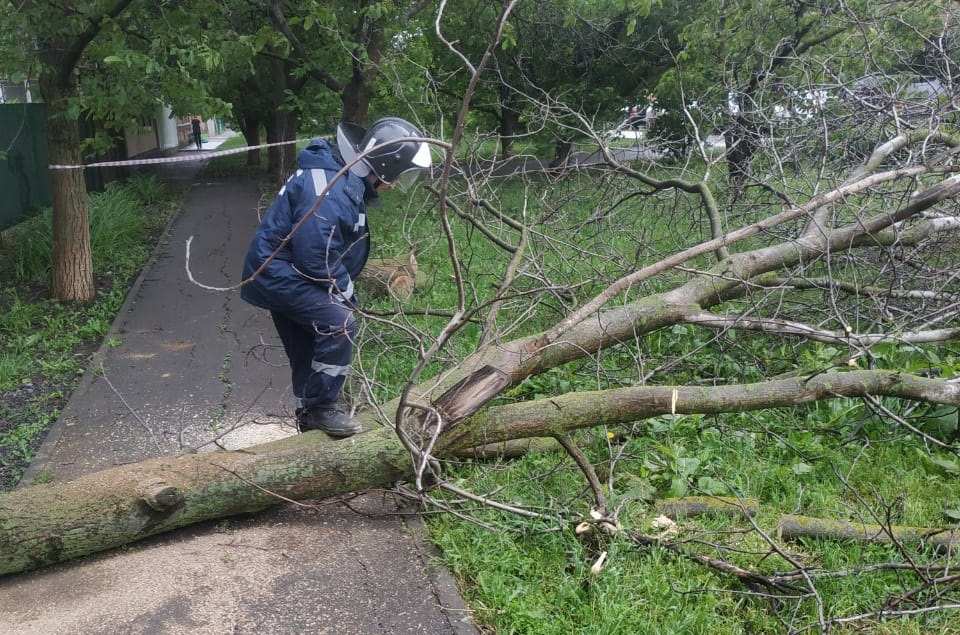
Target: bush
[119, 221]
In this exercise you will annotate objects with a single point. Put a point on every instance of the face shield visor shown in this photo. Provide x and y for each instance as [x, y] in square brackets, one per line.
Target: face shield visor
[406, 179]
[419, 164]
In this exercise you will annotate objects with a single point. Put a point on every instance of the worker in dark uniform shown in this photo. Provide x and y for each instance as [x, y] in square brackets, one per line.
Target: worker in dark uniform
[309, 286]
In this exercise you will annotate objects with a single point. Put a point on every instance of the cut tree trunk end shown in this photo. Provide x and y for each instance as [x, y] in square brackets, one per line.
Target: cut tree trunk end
[396, 277]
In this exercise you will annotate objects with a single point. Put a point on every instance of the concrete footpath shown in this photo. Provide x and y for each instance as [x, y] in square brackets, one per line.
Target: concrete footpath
[189, 364]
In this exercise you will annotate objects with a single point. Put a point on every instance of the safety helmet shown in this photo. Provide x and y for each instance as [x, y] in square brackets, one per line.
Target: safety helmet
[398, 163]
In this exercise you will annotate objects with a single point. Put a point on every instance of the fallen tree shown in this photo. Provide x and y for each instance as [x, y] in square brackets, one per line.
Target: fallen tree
[840, 288]
[49, 523]
[446, 416]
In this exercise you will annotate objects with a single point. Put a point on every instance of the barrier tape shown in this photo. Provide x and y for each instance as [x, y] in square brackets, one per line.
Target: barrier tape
[200, 156]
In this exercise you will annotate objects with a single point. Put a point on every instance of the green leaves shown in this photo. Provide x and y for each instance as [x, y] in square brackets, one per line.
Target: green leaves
[939, 464]
[509, 38]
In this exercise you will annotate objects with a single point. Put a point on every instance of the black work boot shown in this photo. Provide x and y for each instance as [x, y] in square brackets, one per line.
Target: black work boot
[330, 418]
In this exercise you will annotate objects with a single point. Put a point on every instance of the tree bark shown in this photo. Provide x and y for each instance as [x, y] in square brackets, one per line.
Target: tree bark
[289, 123]
[509, 122]
[273, 152]
[72, 256]
[281, 160]
[43, 524]
[365, 64]
[355, 99]
[251, 134]
[561, 156]
[794, 527]
[740, 150]
[693, 506]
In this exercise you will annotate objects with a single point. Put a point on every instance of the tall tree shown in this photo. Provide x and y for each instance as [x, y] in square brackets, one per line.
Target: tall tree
[589, 56]
[114, 61]
[54, 40]
[738, 53]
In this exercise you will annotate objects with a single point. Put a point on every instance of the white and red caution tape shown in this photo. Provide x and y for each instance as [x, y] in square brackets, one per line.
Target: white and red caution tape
[199, 156]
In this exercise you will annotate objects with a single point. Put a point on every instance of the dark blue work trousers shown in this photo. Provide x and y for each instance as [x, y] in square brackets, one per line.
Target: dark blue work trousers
[319, 347]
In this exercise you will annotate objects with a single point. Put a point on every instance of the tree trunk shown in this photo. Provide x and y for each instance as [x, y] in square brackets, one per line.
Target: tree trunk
[561, 156]
[48, 523]
[694, 506]
[273, 152]
[356, 101]
[365, 66]
[72, 258]
[289, 122]
[741, 145]
[795, 527]
[251, 134]
[44, 524]
[509, 122]
[281, 159]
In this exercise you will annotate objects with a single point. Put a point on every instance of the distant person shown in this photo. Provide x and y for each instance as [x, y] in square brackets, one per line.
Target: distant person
[633, 117]
[650, 116]
[197, 137]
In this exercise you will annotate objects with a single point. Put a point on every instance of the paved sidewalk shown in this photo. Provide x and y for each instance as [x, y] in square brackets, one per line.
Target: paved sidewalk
[191, 362]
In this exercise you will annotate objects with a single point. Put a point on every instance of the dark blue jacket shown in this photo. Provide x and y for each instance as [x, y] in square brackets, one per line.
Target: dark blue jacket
[326, 254]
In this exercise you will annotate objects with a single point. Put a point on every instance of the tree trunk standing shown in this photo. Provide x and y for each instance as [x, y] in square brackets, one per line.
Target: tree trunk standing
[278, 163]
[356, 101]
[273, 152]
[288, 123]
[282, 159]
[72, 257]
[509, 123]
[251, 134]
[365, 66]
[561, 155]
[741, 145]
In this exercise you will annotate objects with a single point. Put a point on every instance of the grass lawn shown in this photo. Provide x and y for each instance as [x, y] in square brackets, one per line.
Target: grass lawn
[45, 345]
[832, 459]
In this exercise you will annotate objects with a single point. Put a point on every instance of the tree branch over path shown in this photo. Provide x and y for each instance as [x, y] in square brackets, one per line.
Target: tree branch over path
[280, 21]
[73, 54]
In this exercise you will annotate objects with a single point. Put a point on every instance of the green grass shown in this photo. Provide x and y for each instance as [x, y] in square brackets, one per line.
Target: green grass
[45, 343]
[832, 459]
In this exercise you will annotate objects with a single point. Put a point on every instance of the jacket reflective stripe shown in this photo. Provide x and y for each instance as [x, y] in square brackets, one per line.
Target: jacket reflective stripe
[348, 292]
[319, 181]
[330, 369]
[360, 223]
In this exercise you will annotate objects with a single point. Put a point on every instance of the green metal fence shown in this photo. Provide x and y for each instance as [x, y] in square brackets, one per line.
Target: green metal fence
[24, 183]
